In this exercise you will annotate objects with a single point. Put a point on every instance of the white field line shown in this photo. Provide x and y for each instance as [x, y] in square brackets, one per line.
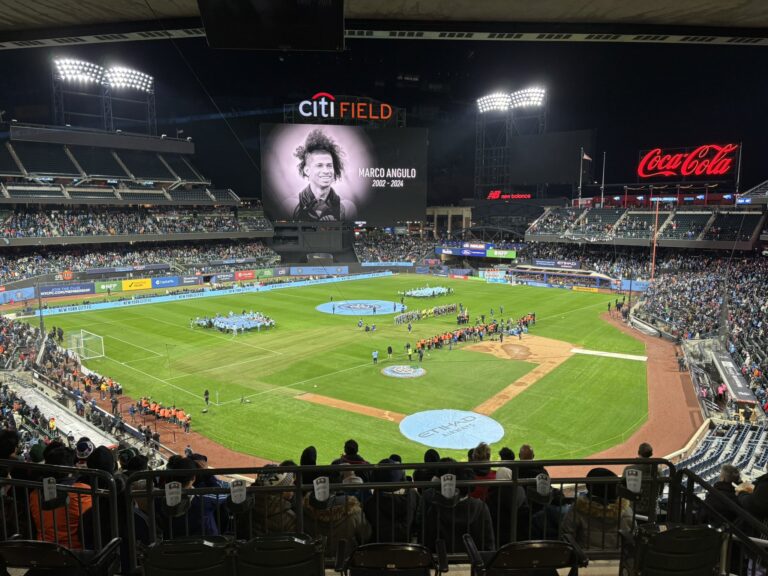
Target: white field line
[132, 344]
[179, 388]
[141, 359]
[222, 367]
[610, 354]
[289, 386]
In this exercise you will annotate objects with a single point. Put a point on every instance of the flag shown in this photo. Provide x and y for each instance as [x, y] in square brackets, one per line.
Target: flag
[584, 156]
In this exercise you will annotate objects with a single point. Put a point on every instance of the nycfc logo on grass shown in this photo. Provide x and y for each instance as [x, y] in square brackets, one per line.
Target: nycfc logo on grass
[458, 429]
[402, 371]
[357, 306]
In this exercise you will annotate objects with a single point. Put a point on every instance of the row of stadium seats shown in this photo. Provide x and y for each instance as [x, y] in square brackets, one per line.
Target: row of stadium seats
[609, 223]
[122, 193]
[39, 159]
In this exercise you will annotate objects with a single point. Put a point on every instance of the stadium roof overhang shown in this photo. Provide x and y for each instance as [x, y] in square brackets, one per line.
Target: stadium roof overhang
[56, 23]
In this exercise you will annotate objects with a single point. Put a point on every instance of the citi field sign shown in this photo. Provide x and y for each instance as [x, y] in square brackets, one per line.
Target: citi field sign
[327, 106]
[706, 160]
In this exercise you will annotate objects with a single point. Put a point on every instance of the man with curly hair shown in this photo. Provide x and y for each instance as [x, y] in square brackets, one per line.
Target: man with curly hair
[321, 163]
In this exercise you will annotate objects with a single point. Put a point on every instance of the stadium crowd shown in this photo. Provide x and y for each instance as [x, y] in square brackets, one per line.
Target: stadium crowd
[57, 222]
[28, 264]
[377, 246]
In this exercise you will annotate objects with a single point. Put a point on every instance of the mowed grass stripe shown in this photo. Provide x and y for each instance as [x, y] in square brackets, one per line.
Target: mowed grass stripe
[310, 348]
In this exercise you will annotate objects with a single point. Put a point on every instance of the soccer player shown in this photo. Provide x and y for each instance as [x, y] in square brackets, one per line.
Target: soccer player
[375, 355]
[206, 397]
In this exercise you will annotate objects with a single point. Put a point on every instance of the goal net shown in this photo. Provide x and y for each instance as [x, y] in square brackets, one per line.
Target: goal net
[86, 344]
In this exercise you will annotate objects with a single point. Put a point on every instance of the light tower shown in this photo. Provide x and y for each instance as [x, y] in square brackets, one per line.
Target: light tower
[92, 96]
[501, 116]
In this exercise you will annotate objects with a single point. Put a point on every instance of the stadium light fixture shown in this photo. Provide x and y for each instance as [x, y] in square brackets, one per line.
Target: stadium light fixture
[496, 102]
[528, 97]
[78, 71]
[120, 77]
[501, 101]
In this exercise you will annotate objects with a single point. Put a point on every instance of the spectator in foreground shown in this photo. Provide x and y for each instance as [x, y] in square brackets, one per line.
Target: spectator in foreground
[649, 497]
[272, 511]
[450, 518]
[715, 511]
[340, 517]
[597, 517]
[391, 512]
[62, 523]
[194, 516]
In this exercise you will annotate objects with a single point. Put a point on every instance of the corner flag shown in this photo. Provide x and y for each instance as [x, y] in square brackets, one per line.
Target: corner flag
[584, 156]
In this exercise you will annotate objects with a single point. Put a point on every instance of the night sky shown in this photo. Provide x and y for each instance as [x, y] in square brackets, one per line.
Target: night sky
[634, 96]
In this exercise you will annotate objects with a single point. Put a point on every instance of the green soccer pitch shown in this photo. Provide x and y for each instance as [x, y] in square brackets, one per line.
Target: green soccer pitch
[586, 404]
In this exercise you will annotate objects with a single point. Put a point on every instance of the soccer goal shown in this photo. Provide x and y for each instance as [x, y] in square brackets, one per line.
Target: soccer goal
[87, 344]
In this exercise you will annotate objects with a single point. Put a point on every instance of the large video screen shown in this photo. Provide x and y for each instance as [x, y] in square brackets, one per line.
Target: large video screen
[326, 173]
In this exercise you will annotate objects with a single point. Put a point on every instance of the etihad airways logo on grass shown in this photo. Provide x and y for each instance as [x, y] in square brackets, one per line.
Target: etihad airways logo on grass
[326, 105]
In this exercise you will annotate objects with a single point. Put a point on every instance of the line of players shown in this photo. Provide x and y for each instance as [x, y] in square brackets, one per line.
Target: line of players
[477, 333]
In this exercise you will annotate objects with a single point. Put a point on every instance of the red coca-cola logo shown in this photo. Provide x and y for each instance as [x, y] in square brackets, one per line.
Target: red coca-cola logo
[706, 160]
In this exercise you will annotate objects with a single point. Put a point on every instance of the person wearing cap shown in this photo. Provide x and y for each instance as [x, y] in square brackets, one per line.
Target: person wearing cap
[272, 510]
[83, 449]
[391, 511]
[597, 517]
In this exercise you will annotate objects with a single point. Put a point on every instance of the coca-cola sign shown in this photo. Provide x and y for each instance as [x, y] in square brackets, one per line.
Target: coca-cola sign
[704, 161]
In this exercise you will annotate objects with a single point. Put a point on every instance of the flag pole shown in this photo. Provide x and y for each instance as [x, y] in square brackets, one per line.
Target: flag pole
[581, 171]
[738, 167]
[602, 185]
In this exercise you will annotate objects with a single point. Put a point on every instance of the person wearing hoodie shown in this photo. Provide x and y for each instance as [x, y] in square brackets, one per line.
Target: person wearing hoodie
[391, 511]
[309, 458]
[423, 474]
[340, 517]
[596, 518]
[448, 519]
[195, 515]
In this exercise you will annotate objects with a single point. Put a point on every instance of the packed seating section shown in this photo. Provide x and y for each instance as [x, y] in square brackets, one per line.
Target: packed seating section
[83, 221]
[190, 256]
[378, 246]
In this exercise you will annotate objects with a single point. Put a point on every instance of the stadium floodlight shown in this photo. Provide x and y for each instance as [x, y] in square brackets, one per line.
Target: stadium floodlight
[78, 71]
[496, 102]
[120, 77]
[528, 98]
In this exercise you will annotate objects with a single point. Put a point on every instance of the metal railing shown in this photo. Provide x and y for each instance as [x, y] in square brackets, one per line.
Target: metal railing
[595, 511]
[499, 511]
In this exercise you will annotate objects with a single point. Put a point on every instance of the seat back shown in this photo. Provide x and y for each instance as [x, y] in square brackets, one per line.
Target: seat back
[533, 555]
[289, 555]
[187, 557]
[679, 551]
[399, 559]
[40, 556]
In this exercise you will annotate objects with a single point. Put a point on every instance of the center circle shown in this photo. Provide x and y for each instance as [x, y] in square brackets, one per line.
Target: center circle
[403, 371]
[361, 307]
[455, 429]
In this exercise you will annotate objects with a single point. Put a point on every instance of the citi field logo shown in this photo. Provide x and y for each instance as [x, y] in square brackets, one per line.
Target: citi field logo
[325, 105]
